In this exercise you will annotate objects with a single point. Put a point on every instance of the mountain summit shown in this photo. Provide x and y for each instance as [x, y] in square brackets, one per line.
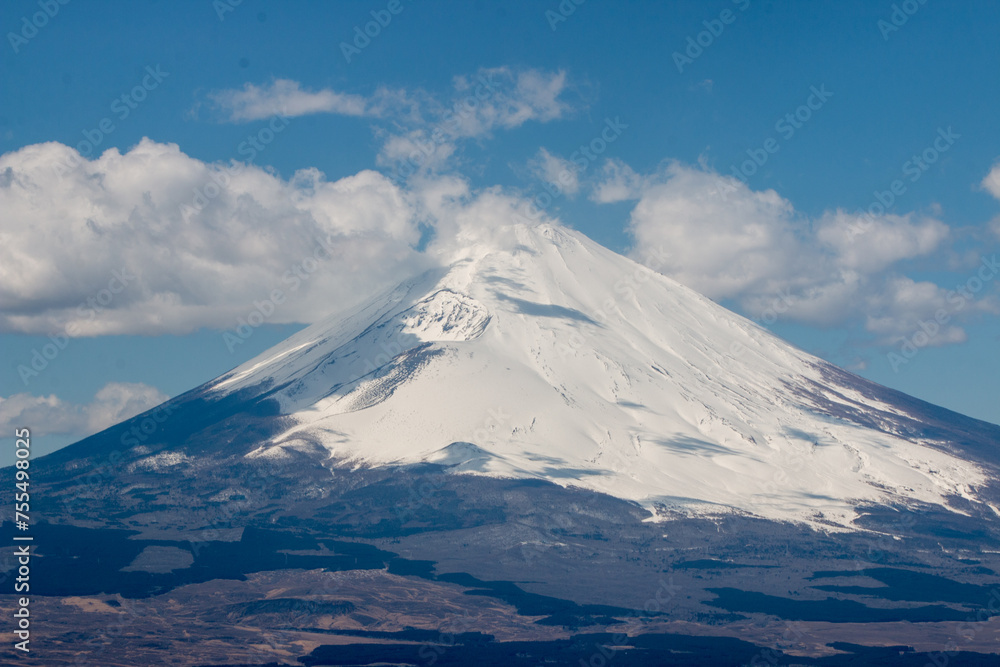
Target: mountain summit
[541, 354]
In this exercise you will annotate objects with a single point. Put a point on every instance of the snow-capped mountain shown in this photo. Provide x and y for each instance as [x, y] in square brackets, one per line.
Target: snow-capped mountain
[541, 354]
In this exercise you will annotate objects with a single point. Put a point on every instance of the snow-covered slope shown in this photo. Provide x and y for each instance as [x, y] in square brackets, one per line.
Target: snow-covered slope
[543, 354]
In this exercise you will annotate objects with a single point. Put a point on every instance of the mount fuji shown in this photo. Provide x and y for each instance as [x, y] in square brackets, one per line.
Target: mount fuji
[541, 354]
[538, 452]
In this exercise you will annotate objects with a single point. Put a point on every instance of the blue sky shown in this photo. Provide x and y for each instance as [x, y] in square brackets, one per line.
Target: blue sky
[835, 102]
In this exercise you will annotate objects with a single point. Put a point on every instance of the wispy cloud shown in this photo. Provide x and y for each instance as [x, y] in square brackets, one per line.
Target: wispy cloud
[479, 105]
[419, 131]
[284, 97]
[556, 171]
[617, 182]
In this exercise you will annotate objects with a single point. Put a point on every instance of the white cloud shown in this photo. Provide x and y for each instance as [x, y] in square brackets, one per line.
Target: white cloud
[556, 171]
[722, 248]
[904, 307]
[283, 97]
[536, 96]
[886, 240]
[730, 242]
[115, 402]
[619, 182]
[493, 99]
[425, 129]
[118, 401]
[418, 149]
[991, 183]
[148, 242]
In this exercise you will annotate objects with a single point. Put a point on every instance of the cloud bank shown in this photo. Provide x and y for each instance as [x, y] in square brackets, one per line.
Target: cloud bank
[752, 247]
[124, 244]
